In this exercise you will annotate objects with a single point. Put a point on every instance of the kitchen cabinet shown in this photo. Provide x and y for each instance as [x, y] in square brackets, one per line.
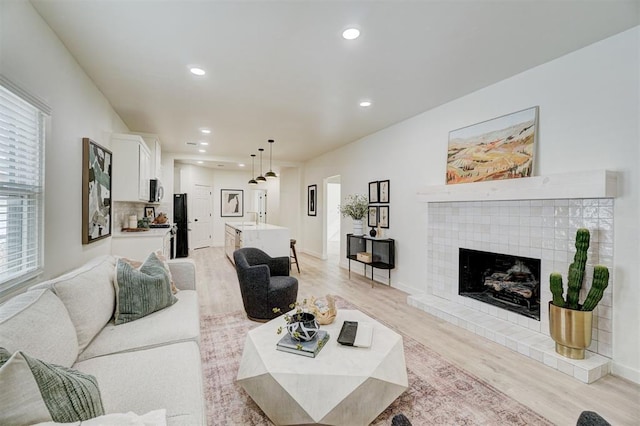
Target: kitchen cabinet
[155, 155]
[138, 245]
[131, 168]
[231, 236]
[271, 239]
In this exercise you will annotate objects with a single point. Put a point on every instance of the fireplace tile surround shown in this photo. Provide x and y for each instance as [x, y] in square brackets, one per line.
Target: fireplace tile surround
[543, 229]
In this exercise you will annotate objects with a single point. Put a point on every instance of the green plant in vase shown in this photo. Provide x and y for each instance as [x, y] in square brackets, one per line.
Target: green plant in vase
[356, 207]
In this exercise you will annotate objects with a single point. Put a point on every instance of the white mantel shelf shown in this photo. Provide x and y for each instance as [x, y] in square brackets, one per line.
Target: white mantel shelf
[587, 184]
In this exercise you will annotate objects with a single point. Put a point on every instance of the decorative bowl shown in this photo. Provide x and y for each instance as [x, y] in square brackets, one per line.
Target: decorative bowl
[303, 326]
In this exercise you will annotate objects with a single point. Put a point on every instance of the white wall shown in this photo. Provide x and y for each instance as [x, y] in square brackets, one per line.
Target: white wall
[32, 57]
[588, 120]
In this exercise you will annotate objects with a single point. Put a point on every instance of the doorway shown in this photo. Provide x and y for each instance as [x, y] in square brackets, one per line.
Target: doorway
[258, 205]
[332, 213]
[201, 218]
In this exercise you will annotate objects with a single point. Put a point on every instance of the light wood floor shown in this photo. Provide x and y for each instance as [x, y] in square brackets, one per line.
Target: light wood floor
[554, 395]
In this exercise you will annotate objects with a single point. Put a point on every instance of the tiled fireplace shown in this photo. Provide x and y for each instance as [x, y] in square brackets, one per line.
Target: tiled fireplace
[529, 229]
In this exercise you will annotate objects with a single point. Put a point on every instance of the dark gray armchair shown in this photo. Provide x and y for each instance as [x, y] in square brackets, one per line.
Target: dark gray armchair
[264, 283]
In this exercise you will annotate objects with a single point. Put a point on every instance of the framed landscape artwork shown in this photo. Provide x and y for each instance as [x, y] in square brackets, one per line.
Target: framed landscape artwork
[231, 203]
[312, 199]
[500, 148]
[96, 191]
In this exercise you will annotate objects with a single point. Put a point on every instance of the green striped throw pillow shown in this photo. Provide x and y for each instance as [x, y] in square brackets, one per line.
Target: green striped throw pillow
[35, 391]
[140, 292]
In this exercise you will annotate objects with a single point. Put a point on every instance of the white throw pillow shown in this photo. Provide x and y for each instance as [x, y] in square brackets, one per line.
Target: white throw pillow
[89, 296]
[38, 323]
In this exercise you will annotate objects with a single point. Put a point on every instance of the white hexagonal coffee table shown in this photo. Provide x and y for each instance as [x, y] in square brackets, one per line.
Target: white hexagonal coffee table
[341, 385]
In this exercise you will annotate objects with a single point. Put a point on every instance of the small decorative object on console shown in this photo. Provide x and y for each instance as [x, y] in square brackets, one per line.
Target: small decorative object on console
[364, 257]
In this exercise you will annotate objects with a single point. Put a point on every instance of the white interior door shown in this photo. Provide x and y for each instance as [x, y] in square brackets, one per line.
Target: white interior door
[259, 204]
[201, 235]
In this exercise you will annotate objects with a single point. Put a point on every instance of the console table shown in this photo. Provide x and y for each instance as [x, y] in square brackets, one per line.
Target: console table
[382, 253]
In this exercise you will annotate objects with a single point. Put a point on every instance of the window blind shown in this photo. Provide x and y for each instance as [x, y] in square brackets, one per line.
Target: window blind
[21, 188]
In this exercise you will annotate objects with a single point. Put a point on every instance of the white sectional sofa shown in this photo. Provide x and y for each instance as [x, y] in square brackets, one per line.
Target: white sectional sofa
[148, 364]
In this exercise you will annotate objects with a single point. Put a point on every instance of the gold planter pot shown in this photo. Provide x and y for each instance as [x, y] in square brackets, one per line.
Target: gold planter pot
[571, 330]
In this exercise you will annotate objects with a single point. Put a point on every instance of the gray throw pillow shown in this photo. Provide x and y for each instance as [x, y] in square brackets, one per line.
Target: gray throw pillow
[140, 292]
[36, 391]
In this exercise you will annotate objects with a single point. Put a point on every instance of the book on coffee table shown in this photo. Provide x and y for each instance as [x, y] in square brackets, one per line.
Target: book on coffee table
[310, 349]
[354, 333]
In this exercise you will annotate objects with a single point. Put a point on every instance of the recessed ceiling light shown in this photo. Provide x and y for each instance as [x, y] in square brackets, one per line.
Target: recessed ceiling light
[197, 71]
[204, 143]
[200, 162]
[241, 165]
[365, 104]
[202, 150]
[205, 131]
[351, 33]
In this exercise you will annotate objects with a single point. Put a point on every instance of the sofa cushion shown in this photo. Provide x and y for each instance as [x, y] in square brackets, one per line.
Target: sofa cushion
[35, 391]
[140, 292]
[88, 295]
[178, 323]
[163, 377]
[38, 323]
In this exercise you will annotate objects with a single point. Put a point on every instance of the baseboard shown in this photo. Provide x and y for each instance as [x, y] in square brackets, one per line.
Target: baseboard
[314, 254]
[625, 372]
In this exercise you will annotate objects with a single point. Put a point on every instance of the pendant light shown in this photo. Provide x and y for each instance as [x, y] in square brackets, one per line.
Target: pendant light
[252, 181]
[261, 178]
[270, 174]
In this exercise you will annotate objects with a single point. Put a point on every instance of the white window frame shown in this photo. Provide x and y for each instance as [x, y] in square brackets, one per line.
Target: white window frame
[26, 197]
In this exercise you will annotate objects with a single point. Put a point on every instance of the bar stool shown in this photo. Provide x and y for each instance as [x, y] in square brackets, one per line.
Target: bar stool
[294, 256]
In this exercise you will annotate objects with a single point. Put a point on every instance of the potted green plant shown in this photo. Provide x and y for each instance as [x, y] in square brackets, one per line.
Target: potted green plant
[356, 207]
[569, 321]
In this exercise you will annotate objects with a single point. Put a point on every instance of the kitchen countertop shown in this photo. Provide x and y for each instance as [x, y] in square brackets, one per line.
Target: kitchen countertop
[250, 226]
[152, 232]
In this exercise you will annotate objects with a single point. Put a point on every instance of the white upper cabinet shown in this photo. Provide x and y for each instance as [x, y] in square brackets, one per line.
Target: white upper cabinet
[131, 168]
[153, 143]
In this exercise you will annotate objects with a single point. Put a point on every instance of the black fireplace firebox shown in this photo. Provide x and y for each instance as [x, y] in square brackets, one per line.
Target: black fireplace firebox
[508, 282]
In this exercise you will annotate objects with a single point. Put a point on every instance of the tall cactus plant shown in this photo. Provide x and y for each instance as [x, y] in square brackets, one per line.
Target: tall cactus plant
[575, 278]
[576, 269]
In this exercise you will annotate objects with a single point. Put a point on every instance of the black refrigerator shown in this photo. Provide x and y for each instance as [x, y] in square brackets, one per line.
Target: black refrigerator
[180, 219]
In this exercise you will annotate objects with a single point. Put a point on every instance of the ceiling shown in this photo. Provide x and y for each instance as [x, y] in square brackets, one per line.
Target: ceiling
[281, 69]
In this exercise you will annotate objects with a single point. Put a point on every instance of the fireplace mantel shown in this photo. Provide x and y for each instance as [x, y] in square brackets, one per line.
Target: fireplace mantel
[586, 184]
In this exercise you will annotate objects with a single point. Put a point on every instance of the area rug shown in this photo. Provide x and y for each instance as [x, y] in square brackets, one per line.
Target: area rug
[439, 393]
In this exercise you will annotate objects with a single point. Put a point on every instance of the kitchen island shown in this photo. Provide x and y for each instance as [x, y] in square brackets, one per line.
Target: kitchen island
[272, 239]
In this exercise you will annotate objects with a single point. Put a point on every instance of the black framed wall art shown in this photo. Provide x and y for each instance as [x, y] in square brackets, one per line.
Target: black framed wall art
[373, 192]
[312, 200]
[383, 191]
[372, 220]
[231, 203]
[96, 191]
[383, 216]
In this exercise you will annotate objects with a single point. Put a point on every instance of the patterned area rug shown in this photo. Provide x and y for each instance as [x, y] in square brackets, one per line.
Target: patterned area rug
[439, 392]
